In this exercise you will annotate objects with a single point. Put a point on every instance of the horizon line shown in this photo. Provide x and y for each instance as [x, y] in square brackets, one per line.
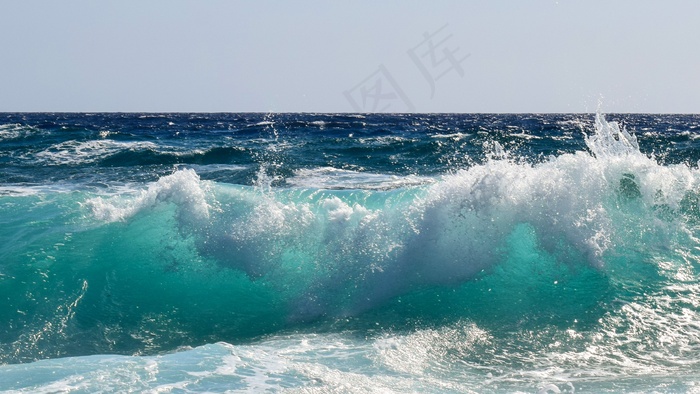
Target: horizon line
[348, 113]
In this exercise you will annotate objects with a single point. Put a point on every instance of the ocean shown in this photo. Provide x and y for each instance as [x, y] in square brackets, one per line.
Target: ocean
[359, 253]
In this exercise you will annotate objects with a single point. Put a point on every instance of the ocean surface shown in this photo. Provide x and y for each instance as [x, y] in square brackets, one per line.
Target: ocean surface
[332, 253]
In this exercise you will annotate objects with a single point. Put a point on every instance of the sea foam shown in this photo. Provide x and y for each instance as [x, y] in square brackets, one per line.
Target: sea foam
[381, 244]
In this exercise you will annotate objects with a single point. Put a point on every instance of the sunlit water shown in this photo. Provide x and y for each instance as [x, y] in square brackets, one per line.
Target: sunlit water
[349, 253]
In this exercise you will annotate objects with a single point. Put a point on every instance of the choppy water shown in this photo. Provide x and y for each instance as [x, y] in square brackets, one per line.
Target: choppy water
[349, 253]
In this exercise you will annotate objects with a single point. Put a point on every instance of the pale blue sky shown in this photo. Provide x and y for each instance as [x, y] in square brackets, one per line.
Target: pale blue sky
[332, 56]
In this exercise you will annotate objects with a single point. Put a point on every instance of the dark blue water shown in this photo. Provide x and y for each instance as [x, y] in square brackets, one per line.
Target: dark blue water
[322, 252]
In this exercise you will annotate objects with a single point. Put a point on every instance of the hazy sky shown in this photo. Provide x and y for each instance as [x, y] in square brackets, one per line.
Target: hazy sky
[360, 55]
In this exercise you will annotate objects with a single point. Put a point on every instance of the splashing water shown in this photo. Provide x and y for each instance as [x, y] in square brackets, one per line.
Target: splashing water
[573, 271]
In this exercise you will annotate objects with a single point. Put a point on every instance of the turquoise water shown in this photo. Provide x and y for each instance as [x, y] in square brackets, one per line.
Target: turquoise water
[333, 253]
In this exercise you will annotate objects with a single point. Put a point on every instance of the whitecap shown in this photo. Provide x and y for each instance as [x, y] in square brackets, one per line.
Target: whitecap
[340, 179]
